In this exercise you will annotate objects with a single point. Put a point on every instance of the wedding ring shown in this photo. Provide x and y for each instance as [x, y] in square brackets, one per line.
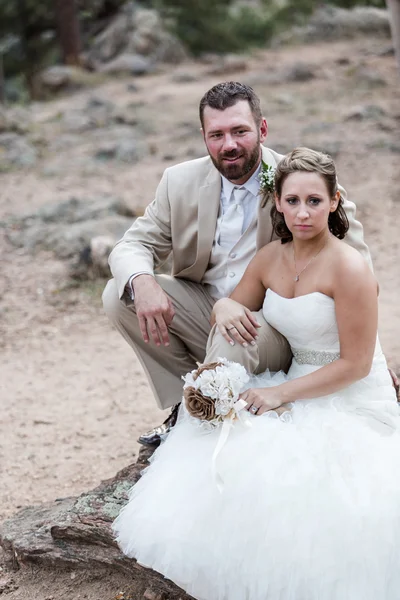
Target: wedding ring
[254, 409]
[229, 328]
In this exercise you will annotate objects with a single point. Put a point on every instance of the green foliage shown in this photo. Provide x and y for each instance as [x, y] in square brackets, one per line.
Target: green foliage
[28, 39]
[214, 26]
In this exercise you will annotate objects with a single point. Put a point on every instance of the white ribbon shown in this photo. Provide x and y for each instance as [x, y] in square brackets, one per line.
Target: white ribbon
[223, 437]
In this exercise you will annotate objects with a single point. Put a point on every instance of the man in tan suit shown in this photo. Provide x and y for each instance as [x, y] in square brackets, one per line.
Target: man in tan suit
[207, 213]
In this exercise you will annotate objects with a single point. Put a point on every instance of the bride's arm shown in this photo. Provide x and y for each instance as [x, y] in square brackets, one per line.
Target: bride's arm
[356, 305]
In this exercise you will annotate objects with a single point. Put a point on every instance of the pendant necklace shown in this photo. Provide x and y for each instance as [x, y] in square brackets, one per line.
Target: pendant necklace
[296, 279]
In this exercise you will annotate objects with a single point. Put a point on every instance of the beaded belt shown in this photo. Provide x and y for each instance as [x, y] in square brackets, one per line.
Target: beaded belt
[314, 357]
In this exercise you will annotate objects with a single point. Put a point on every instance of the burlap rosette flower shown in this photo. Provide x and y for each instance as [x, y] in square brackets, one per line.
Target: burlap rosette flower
[200, 406]
[211, 392]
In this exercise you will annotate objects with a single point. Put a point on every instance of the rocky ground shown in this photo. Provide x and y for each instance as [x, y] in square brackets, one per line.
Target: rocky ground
[73, 396]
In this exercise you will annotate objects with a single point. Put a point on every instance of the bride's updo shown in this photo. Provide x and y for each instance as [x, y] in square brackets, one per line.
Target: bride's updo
[305, 159]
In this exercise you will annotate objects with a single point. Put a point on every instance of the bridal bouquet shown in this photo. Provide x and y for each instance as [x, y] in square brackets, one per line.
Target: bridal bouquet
[211, 392]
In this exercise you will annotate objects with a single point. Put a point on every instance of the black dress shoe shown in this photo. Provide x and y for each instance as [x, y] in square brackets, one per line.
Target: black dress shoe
[154, 436]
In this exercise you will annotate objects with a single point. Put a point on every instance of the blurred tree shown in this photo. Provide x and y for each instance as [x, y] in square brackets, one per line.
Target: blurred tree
[394, 11]
[68, 31]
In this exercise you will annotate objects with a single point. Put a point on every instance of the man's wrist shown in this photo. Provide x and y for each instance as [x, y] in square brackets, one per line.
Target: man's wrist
[130, 286]
[140, 277]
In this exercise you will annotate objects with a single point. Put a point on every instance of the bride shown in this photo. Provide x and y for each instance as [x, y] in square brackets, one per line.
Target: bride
[310, 503]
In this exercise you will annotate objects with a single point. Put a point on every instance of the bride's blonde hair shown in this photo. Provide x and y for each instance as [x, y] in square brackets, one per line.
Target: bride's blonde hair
[311, 161]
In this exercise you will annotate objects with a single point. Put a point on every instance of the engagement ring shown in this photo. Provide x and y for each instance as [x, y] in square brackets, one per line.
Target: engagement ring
[254, 409]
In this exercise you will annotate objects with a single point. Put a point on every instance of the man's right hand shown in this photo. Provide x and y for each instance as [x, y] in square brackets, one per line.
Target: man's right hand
[154, 309]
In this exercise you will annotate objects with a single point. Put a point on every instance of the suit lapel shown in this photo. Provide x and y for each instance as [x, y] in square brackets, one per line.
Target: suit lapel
[264, 225]
[209, 202]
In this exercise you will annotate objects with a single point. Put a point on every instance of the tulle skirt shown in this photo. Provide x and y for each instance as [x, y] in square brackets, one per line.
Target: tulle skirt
[308, 507]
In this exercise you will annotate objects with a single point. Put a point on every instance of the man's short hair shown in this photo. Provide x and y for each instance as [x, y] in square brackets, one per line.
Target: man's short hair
[226, 94]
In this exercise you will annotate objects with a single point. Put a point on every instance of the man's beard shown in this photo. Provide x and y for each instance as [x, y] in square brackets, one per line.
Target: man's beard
[235, 172]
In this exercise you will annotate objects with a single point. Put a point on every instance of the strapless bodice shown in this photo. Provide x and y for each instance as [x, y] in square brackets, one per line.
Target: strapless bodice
[308, 322]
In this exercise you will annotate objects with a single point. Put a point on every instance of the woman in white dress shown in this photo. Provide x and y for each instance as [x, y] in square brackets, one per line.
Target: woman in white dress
[310, 503]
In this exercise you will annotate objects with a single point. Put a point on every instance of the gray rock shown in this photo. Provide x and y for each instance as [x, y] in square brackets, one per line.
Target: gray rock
[183, 76]
[67, 241]
[137, 32]
[369, 78]
[228, 64]
[93, 259]
[100, 111]
[132, 64]
[16, 152]
[126, 115]
[127, 151]
[150, 38]
[68, 228]
[332, 23]
[299, 72]
[56, 77]
[62, 77]
[77, 210]
[17, 120]
[361, 113]
[77, 121]
[112, 40]
[76, 532]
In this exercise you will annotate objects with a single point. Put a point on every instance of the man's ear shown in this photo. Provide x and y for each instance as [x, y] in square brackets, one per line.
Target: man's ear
[263, 130]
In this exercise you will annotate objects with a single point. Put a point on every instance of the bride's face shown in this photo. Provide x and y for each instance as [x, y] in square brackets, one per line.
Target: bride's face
[305, 204]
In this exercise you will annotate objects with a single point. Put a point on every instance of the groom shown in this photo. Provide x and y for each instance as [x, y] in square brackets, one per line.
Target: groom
[207, 213]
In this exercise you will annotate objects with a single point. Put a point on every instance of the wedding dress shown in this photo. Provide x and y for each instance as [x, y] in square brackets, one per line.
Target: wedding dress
[310, 503]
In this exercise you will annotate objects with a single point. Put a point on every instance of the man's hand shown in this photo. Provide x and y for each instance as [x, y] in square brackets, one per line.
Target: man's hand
[154, 309]
[235, 322]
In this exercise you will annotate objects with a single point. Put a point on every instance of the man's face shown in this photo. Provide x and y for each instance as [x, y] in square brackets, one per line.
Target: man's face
[233, 140]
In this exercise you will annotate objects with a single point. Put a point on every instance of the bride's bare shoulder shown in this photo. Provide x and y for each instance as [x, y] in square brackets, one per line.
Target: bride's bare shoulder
[270, 250]
[350, 267]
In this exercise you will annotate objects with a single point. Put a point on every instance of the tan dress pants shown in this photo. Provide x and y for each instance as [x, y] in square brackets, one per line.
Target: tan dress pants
[192, 339]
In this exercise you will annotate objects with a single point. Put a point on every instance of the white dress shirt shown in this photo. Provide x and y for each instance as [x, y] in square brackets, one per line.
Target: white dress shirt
[228, 262]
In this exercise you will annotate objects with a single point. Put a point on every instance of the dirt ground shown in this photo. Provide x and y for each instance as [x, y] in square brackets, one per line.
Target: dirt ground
[73, 396]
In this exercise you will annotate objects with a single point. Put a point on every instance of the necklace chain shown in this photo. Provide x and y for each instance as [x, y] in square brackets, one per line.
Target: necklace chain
[296, 279]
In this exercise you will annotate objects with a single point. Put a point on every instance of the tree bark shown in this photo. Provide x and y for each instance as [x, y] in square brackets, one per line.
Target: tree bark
[394, 14]
[2, 82]
[68, 31]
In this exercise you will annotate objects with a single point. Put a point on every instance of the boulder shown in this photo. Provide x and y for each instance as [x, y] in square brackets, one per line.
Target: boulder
[62, 77]
[228, 64]
[131, 64]
[135, 33]
[76, 533]
[71, 230]
[365, 112]
[333, 23]
[16, 152]
[17, 120]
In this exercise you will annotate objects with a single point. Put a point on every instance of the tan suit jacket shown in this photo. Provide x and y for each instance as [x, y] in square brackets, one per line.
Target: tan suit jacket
[182, 220]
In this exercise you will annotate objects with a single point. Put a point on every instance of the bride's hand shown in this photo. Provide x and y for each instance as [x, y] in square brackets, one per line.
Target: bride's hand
[235, 322]
[261, 400]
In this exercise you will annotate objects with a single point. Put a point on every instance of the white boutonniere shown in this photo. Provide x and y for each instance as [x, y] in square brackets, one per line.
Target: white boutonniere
[267, 182]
